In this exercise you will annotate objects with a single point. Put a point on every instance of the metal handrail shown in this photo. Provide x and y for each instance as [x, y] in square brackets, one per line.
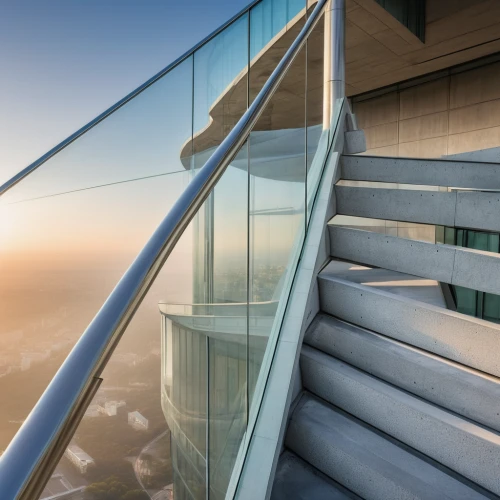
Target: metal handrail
[33, 454]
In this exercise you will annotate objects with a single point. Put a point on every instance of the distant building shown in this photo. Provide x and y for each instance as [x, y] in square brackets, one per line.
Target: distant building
[138, 421]
[110, 408]
[79, 458]
[59, 488]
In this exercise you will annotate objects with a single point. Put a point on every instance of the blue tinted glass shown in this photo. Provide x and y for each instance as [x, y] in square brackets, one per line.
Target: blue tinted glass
[267, 19]
[145, 137]
[220, 87]
[295, 7]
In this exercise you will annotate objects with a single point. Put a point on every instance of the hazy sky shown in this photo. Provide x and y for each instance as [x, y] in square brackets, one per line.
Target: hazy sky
[62, 62]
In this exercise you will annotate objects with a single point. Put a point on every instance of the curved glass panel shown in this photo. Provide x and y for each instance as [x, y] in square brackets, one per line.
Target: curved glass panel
[274, 25]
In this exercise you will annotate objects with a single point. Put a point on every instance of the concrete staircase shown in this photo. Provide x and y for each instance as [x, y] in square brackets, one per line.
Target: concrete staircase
[401, 393]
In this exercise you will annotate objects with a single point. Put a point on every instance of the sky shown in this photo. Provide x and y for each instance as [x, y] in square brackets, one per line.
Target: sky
[62, 62]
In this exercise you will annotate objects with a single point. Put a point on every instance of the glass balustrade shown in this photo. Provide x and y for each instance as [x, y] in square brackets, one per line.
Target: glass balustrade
[71, 228]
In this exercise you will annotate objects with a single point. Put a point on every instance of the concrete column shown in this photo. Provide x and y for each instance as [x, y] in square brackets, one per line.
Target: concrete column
[334, 72]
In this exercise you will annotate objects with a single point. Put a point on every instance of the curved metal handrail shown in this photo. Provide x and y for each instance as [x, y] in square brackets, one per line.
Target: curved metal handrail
[33, 454]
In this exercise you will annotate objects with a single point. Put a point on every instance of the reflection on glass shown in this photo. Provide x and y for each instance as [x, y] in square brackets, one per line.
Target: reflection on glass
[228, 343]
[268, 18]
[277, 207]
[220, 88]
[317, 134]
[205, 343]
[274, 25]
[141, 139]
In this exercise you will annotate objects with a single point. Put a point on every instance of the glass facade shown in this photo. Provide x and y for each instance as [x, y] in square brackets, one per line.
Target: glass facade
[246, 240]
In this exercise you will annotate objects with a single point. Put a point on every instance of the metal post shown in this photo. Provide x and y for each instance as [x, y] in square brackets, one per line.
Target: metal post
[334, 69]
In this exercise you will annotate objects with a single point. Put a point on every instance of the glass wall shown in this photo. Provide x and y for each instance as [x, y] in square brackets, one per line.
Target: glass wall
[246, 239]
[74, 226]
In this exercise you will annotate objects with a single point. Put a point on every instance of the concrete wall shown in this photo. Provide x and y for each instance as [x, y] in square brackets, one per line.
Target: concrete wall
[456, 113]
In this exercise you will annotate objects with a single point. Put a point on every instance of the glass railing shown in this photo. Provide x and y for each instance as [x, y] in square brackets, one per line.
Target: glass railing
[72, 227]
[246, 242]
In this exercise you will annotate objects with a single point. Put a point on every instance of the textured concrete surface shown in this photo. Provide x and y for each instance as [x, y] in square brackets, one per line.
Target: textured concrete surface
[297, 480]
[478, 210]
[425, 207]
[464, 339]
[401, 284]
[367, 462]
[449, 264]
[390, 252]
[463, 390]
[422, 171]
[355, 142]
[465, 447]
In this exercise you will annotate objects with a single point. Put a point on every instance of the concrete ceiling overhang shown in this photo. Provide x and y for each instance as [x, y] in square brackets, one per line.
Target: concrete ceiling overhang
[380, 51]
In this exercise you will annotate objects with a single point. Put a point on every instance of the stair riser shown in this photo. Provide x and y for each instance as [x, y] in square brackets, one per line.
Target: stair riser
[422, 171]
[425, 207]
[468, 341]
[444, 263]
[438, 434]
[467, 209]
[434, 379]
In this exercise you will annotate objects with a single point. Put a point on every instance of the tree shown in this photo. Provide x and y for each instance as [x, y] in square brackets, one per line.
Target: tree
[113, 489]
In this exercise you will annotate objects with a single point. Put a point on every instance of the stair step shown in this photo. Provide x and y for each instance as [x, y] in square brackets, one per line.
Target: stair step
[297, 480]
[367, 462]
[469, 341]
[464, 174]
[453, 386]
[465, 447]
[445, 263]
[466, 209]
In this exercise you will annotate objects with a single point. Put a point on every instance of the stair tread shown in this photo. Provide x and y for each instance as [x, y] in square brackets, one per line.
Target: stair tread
[467, 267]
[436, 171]
[433, 430]
[459, 388]
[297, 480]
[397, 283]
[466, 208]
[366, 461]
[464, 339]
